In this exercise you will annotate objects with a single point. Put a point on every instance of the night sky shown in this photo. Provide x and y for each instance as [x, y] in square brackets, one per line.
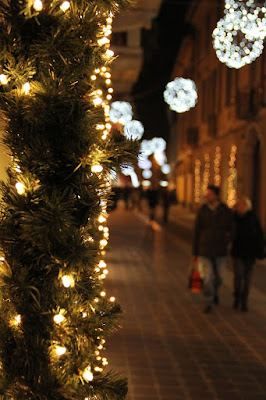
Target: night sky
[160, 46]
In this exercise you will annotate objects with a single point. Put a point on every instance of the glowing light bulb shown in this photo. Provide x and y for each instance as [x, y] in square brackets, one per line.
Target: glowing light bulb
[17, 319]
[3, 79]
[110, 53]
[60, 350]
[110, 90]
[58, 318]
[101, 219]
[96, 168]
[112, 299]
[102, 264]
[93, 77]
[65, 6]
[103, 293]
[68, 281]
[103, 243]
[108, 81]
[37, 5]
[97, 101]
[104, 361]
[87, 374]
[103, 41]
[26, 87]
[20, 188]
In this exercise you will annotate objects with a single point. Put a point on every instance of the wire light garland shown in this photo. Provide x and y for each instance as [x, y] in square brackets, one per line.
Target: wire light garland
[231, 192]
[249, 15]
[121, 112]
[216, 166]
[134, 130]
[181, 94]
[233, 46]
[197, 181]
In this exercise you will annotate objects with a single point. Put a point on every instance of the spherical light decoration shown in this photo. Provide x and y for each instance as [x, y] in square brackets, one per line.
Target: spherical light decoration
[147, 174]
[133, 130]
[158, 144]
[181, 94]
[160, 158]
[120, 111]
[144, 163]
[166, 169]
[250, 17]
[146, 148]
[232, 46]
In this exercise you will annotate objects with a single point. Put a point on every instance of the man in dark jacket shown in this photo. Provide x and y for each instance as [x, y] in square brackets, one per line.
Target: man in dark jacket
[213, 233]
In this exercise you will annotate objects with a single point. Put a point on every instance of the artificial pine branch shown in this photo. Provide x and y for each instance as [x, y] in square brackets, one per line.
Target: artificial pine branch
[55, 314]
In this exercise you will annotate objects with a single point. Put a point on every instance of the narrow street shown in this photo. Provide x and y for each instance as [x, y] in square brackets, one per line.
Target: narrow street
[167, 347]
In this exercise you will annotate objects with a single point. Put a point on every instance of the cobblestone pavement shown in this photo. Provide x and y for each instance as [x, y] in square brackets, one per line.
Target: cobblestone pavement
[167, 347]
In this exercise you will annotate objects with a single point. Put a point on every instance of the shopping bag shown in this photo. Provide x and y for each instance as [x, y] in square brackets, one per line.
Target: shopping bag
[195, 281]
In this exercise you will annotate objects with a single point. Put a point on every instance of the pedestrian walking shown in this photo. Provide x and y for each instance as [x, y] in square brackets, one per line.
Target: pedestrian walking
[248, 244]
[152, 198]
[212, 235]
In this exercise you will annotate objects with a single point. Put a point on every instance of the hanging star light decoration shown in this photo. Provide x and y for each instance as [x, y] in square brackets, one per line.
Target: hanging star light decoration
[234, 47]
[120, 112]
[181, 94]
[250, 16]
[133, 130]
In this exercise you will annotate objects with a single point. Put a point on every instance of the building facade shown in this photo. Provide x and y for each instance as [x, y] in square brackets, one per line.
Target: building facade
[223, 139]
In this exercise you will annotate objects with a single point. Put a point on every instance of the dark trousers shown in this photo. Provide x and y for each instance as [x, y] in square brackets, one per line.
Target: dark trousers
[243, 269]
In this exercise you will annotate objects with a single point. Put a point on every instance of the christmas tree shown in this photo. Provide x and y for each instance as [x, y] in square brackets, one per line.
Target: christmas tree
[54, 312]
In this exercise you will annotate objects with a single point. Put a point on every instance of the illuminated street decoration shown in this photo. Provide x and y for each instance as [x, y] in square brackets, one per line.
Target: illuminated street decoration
[121, 112]
[232, 46]
[129, 171]
[144, 163]
[147, 174]
[181, 94]
[216, 166]
[166, 169]
[160, 158]
[197, 181]
[206, 173]
[133, 130]
[146, 148]
[231, 192]
[250, 17]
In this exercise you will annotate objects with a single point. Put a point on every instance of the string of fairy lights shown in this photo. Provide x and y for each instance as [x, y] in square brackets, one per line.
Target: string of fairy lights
[24, 185]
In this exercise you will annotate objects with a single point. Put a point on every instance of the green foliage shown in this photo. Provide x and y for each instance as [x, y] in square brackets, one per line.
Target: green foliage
[52, 201]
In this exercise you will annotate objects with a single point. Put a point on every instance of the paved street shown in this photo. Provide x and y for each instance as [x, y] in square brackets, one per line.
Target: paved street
[167, 347]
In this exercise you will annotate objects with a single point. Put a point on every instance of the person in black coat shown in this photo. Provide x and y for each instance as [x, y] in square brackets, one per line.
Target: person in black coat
[246, 247]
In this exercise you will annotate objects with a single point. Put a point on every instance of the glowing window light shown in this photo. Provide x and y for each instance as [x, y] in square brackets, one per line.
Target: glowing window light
[147, 174]
[133, 130]
[20, 188]
[249, 16]
[181, 94]
[166, 169]
[37, 5]
[144, 163]
[234, 48]
[120, 111]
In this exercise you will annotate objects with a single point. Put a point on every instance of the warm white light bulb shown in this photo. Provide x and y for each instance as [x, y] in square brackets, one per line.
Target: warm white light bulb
[68, 281]
[3, 79]
[101, 219]
[60, 350]
[26, 87]
[65, 6]
[37, 5]
[58, 318]
[103, 243]
[20, 188]
[87, 374]
[96, 168]
[103, 293]
[112, 299]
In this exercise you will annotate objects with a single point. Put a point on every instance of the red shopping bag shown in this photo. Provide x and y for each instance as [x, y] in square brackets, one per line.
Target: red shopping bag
[195, 281]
